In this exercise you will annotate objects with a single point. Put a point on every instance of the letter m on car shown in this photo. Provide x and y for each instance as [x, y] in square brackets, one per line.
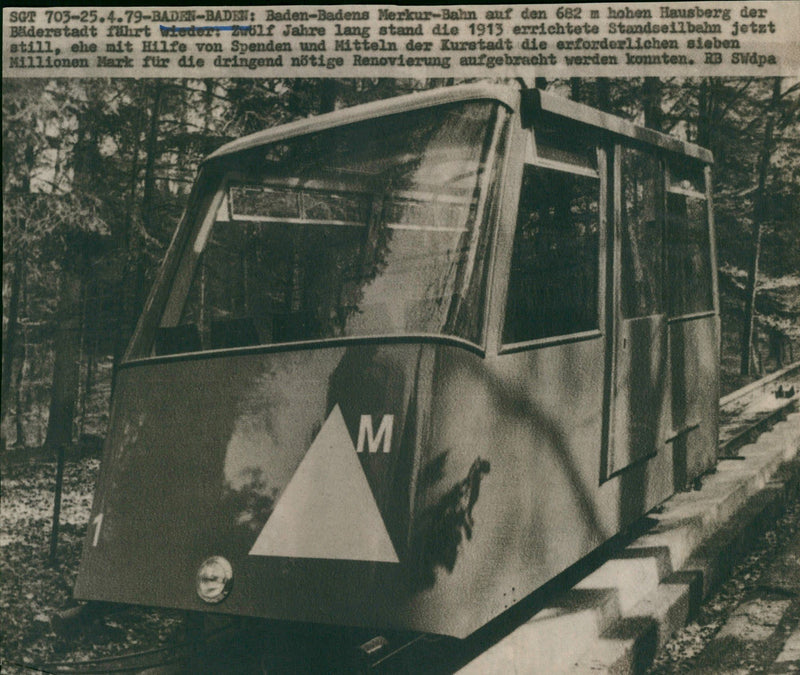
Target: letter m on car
[372, 439]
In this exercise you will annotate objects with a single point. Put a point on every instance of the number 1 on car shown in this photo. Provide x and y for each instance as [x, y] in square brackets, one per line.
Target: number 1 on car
[98, 522]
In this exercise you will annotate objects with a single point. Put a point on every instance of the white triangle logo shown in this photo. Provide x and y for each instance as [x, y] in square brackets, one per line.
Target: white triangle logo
[327, 510]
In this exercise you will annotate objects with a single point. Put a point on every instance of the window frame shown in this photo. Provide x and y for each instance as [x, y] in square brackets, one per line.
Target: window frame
[661, 202]
[195, 235]
[705, 196]
[601, 173]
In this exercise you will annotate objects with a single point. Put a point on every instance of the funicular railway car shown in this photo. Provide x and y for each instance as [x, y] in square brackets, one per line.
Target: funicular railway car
[406, 362]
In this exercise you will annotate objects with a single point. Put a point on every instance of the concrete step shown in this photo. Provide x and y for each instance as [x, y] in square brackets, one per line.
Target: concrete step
[756, 633]
[630, 605]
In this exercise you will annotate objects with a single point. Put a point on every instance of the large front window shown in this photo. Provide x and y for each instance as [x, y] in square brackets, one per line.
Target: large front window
[373, 229]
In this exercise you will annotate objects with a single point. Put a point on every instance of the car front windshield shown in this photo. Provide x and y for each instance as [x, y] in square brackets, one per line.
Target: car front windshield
[378, 228]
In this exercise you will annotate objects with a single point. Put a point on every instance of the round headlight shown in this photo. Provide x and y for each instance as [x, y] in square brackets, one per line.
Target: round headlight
[214, 579]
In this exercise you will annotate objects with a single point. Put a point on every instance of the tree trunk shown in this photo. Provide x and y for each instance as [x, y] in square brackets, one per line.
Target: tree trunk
[12, 333]
[651, 95]
[66, 371]
[89, 347]
[19, 414]
[759, 216]
[328, 95]
[705, 107]
[575, 89]
[208, 100]
[604, 94]
[136, 290]
[124, 244]
[151, 153]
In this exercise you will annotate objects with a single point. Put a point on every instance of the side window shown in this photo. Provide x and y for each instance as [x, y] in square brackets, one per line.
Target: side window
[553, 284]
[688, 243]
[642, 235]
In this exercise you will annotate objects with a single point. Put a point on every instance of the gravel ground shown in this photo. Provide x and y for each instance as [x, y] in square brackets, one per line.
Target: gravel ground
[32, 590]
[708, 644]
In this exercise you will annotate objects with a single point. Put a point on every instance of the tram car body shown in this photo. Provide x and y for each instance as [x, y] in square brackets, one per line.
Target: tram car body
[406, 362]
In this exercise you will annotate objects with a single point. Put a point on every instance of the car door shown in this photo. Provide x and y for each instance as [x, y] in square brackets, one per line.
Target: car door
[639, 380]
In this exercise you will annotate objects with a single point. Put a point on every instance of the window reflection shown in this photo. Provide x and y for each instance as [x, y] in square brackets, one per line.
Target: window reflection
[377, 228]
[688, 243]
[642, 235]
[554, 269]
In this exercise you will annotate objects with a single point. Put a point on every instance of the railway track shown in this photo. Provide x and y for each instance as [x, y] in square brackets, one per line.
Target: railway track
[147, 661]
[250, 646]
[747, 412]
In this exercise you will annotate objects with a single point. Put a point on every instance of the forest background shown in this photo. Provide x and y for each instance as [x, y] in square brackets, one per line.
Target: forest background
[97, 172]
